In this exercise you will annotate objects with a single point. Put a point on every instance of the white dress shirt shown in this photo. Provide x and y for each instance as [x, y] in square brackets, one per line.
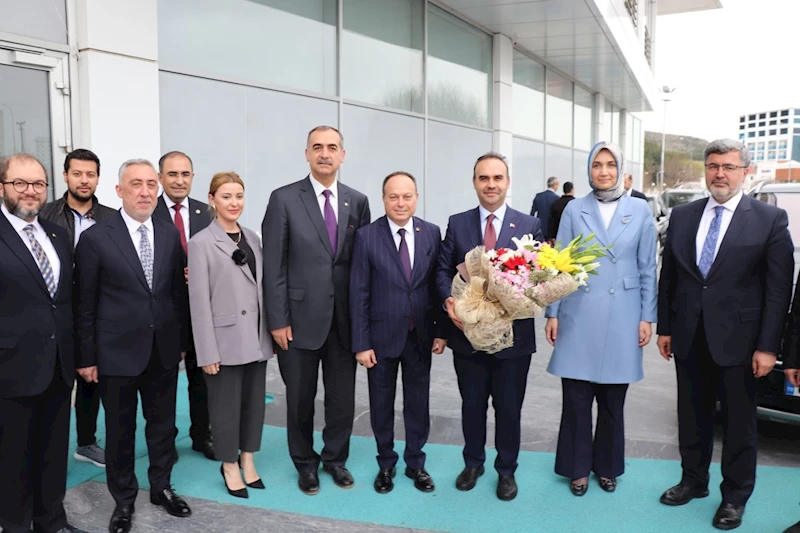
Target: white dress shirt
[409, 227]
[708, 217]
[81, 224]
[334, 188]
[607, 210]
[499, 215]
[41, 236]
[136, 237]
[184, 213]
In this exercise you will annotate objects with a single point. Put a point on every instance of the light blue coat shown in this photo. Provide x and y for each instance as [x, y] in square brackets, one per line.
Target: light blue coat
[598, 326]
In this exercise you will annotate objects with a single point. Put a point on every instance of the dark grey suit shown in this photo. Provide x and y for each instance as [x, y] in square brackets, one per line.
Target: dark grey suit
[306, 285]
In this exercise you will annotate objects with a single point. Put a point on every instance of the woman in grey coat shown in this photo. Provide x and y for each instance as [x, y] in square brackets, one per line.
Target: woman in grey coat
[230, 332]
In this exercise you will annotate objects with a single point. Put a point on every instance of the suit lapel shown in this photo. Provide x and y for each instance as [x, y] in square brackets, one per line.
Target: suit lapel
[388, 241]
[623, 217]
[228, 246]
[508, 229]
[343, 217]
[64, 255]
[690, 244]
[477, 237]
[312, 206]
[590, 212]
[421, 245]
[122, 239]
[13, 241]
[160, 251]
[738, 223]
[162, 211]
[198, 218]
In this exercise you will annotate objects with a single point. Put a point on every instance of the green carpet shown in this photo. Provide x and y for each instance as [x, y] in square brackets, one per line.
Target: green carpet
[544, 504]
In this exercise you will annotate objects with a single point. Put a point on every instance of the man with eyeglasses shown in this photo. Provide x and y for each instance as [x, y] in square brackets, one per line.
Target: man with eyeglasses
[726, 282]
[76, 212]
[37, 370]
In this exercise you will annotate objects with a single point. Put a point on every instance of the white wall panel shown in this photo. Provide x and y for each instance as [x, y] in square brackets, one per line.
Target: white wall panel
[527, 175]
[128, 27]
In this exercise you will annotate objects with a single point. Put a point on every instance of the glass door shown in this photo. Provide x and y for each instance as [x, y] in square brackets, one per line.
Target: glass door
[34, 108]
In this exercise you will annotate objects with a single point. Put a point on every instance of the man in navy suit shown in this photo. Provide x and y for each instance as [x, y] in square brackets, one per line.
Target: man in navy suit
[544, 201]
[131, 330]
[36, 353]
[726, 283]
[503, 375]
[393, 312]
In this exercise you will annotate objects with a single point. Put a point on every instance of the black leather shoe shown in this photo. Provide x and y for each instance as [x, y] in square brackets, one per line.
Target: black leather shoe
[237, 493]
[793, 529]
[506, 488]
[608, 484]
[171, 502]
[422, 479]
[308, 482]
[468, 477]
[578, 489]
[206, 447]
[341, 476]
[682, 494]
[728, 516]
[121, 519]
[383, 481]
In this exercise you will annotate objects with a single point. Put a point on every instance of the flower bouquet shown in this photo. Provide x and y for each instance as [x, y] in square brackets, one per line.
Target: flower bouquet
[494, 288]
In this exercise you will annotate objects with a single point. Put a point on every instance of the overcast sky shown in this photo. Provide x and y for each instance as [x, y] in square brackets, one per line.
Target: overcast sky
[743, 58]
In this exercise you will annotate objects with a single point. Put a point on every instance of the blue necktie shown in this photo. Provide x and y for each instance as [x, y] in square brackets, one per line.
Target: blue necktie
[710, 245]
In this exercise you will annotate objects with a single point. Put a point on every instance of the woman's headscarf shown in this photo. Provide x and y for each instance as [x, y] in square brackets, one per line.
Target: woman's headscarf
[617, 191]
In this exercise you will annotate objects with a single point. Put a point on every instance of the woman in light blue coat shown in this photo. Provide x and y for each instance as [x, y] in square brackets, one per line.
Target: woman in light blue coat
[599, 331]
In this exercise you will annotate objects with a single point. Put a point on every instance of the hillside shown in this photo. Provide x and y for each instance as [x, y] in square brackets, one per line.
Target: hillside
[679, 143]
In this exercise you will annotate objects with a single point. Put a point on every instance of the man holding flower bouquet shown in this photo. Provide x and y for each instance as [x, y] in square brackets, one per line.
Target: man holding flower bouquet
[502, 375]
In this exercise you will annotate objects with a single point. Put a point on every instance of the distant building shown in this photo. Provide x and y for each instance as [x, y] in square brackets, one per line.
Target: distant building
[771, 135]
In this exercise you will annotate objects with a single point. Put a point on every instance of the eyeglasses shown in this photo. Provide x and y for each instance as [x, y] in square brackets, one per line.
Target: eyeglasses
[713, 167]
[22, 185]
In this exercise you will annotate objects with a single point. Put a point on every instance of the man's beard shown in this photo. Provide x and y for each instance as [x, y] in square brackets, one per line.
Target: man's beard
[18, 211]
[81, 197]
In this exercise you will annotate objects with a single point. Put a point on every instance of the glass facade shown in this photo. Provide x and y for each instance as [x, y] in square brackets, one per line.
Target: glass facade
[584, 107]
[558, 109]
[41, 19]
[527, 94]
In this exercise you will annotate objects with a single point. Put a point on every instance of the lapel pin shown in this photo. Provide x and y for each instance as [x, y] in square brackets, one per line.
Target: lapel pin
[418, 228]
[625, 220]
[512, 225]
[346, 204]
[53, 235]
[197, 211]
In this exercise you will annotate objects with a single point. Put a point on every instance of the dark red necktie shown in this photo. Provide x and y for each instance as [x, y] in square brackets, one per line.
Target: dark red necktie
[179, 225]
[489, 234]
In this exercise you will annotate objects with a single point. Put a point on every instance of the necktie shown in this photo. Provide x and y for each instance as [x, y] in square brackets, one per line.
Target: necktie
[180, 226]
[146, 256]
[489, 235]
[42, 261]
[405, 260]
[710, 244]
[330, 220]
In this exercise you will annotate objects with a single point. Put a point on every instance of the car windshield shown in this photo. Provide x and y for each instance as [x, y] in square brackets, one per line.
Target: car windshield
[789, 202]
[675, 198]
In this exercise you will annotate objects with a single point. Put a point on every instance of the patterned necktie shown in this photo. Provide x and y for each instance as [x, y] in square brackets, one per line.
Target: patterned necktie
[405, 259]
[146, 256]
[710, 244]
[42, 261]
[489, 235]
[179, 225]
[330, 220]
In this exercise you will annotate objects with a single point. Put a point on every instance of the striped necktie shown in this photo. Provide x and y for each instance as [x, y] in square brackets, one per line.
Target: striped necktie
[42, 261]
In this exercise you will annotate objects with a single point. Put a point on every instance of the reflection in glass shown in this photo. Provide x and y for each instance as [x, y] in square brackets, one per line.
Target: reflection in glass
[559, 109]
[528, 97]
[558, 163]
[40, 19]
[528, 177]
[459, 70]
[584, 103]
[580, 173]
[281, 42]
[25, 114]
[382, 53]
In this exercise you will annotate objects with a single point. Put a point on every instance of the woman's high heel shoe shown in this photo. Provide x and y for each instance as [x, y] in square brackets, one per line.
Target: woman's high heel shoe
[240, 493]
[257, 484]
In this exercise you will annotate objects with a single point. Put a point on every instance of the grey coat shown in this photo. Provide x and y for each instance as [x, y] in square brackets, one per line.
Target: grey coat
[228, 318]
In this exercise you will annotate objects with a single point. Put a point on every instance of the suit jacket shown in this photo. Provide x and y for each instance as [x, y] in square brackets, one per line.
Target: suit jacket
[746, 296]
[226, 301]
[35, 329]
[58, 211]
[556, 210]
[540, 209]
[381, 297]
[637, 194]
[622, 294]
[464, 234]
[304, 279]
[118, 318]
[791, 341]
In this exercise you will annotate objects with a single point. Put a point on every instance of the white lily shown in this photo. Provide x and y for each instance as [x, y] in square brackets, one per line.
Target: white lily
[527, 242]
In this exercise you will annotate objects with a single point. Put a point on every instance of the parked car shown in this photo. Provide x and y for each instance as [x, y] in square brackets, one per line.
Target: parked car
[676, 197]
[661, 217]
[777, 399]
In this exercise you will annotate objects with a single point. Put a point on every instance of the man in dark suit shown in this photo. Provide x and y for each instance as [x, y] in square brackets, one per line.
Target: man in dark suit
[725, 286]
[557, 209]
[791, 357]
[630, 191]
[394, 309]
[77, 211]
[37, 370]
[501, 376]
[189, 216]
[308, 234]
[131, 333]
[543, 201]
